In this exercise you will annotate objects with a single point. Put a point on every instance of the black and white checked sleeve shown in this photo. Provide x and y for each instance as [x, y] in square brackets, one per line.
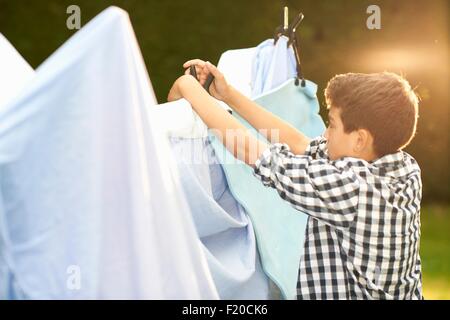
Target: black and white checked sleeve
[327, 190]
[317, 148]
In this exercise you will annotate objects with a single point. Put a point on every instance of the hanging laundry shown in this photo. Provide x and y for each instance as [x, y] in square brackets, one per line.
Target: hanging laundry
[237, 67]
[91, 202]
[179, 120]
[257, 70]
[15, 71]
[223, 226]
[272, 65]
[279, 228]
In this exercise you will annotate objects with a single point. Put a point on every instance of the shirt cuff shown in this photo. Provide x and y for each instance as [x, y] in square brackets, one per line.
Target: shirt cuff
[267, 164]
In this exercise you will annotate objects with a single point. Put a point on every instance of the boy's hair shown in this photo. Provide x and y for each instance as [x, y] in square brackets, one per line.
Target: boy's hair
[382, 103]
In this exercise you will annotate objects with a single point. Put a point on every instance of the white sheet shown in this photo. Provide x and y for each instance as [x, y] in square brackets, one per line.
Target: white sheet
[91, 202]
[178, 120]
[236, 66]
[15, 72]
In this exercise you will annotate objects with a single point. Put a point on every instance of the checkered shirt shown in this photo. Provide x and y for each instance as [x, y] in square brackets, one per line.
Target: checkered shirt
[363, 231]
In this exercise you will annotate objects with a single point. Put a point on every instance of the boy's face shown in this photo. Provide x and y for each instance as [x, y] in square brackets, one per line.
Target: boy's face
[340, 144]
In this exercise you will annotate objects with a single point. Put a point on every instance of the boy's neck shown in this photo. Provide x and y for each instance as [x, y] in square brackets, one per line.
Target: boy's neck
[369, 156]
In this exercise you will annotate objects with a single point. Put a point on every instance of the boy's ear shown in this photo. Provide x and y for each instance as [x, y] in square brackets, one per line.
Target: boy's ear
[363, 140]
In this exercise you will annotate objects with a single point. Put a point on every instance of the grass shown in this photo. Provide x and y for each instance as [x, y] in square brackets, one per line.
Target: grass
[435, 251]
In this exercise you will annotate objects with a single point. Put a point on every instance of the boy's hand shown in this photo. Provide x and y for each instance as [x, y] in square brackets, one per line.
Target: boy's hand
[175, 92]
[219, 88]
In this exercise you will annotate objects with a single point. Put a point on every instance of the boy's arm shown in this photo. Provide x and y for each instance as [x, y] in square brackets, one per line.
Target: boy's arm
[326, 190]
[318, 187]
[269, 125]
[235, 136]
[267, 122]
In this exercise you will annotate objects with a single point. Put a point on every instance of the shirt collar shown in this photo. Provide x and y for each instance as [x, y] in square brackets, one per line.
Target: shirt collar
[392, 159]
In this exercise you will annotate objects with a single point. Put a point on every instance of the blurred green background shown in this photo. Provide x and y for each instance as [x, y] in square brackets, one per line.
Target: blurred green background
[413, 41]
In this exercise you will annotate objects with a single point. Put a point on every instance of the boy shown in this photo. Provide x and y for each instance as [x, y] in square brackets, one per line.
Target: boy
[361, 192]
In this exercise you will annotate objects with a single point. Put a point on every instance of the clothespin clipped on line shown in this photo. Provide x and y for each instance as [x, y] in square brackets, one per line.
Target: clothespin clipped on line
[289, 31]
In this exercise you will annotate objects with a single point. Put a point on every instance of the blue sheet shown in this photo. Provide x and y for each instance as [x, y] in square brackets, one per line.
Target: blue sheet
[223, 226]
[279, 227]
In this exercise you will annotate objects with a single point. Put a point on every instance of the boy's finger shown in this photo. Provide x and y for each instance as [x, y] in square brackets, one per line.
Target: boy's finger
[215, 72]
[202, 78]
[199, 69]
[198, 62]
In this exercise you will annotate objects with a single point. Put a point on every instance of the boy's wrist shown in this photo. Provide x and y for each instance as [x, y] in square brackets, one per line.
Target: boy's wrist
[230, 97]
[186, 83]
[185, 80]
[233, 99]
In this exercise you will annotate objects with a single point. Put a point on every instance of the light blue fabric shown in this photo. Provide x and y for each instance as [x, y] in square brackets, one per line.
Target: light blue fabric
[223, 226]
[279, 227]
[272, 65]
